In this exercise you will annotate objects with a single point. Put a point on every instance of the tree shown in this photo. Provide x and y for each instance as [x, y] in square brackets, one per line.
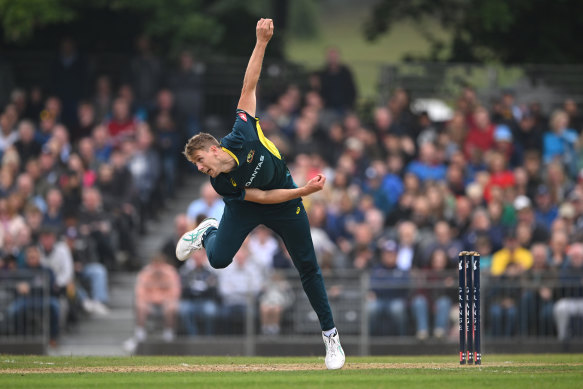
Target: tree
[212, 26]
[517, 31]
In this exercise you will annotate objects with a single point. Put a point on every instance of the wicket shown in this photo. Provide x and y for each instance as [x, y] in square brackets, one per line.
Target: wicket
[469, 307]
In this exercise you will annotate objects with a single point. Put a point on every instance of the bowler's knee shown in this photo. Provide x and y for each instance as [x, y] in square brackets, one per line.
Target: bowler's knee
[218, 261]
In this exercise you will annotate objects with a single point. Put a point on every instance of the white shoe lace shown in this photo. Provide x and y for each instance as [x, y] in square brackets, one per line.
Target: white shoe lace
[331, 342]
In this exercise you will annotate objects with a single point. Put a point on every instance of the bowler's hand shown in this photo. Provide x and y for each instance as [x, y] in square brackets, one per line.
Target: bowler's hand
[315, 184]
[264, 30]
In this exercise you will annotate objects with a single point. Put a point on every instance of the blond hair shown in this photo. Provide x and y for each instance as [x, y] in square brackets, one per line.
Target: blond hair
[201, 141]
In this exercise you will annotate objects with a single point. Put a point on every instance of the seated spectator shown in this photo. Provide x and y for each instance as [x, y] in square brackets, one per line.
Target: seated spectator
[209, 203]
[508, 264]
[480, 137]
[199, 300]
[157, 290]
[525, 214]
[387, 300]
[546, 209]
[55, 254]
[263, 245]
[275, 298]
[92, 277]
[559, 143]
[536, 302]
[95, 227]
[570, 305]
[122, 125]
[26, 145]
[436, 300]
[30, 296]
[239, 285]
[181, 226]
[429, 166]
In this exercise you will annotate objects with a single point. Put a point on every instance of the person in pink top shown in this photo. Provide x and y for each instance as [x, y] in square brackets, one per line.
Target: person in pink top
[157, 287]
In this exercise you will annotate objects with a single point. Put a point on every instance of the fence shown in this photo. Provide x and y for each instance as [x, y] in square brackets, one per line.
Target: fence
[24, 308]
[421, 304]
[549, 85]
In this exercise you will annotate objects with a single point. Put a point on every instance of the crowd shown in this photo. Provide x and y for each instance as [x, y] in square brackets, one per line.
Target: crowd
[404, 195]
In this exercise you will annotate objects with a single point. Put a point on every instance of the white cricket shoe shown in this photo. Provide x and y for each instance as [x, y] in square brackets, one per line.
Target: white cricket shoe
[334, 353]
[192, 240]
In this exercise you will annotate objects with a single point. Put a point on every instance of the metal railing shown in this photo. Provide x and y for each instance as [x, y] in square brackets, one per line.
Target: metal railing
[24, 307]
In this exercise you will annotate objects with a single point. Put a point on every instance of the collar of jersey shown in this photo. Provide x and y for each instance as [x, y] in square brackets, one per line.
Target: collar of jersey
[226, 150]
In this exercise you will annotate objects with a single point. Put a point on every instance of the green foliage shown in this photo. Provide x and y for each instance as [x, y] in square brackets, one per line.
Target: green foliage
[304, 18]
[542, 31]
[178, 23]
[19, 18]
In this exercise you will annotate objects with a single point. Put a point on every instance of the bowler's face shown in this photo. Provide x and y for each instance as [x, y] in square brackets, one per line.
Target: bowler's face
[207, 162]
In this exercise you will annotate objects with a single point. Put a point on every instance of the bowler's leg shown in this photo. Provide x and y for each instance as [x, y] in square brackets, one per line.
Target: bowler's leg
[223, 243]
[294, 229]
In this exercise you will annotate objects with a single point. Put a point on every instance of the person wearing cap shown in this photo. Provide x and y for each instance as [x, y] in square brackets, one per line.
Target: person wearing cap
[525, 215]
[387, 306]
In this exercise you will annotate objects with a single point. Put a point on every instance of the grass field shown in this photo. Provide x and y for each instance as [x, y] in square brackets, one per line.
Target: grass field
[497, 371]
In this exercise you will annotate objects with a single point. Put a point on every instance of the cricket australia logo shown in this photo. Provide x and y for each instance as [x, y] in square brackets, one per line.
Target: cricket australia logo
[257, 168]
[250, 156]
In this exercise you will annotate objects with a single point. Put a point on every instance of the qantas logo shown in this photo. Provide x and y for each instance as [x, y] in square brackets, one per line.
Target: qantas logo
[242, 116]
[257, 168]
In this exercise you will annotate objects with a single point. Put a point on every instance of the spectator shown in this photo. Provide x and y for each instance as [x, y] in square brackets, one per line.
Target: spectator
[95, 228]
[103, 98]
[157, 290]
[122, 125]
[92, 277]
[525, 214]
[546, 210]
[570, 305]
[536, 303]
[208, 204]
[480, 137]
[337, 85]
[145, 73]
[239, 285]
[85, 121]
[275, 298]
[30, 296]
[26, 145]
[429, 166]
[407, 252]
[508, 264]
[559, 143]
[199, 299]
[436, 300]
[263, 246]
[187, 84]
[387, 300]
[144, 165]
[69, 79]
[181, 226]
[8, 133]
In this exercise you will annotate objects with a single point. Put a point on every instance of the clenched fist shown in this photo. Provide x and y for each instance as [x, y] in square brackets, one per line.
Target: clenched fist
[264, 30]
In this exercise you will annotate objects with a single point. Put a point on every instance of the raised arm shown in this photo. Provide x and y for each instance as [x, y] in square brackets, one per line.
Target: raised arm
[247, 101]
[275, 196]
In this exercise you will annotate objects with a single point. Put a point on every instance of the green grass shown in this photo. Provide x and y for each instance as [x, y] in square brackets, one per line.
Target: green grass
[504, 371]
